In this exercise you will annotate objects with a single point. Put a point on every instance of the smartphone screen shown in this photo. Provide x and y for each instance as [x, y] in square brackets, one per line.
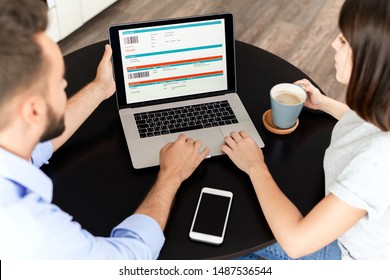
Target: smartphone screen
[211, 216]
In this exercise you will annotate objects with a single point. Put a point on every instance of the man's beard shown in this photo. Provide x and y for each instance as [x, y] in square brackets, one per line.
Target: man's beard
[55, 125]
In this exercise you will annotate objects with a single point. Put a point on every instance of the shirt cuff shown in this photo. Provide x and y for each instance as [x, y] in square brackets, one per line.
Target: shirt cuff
[42, 153]
[147, 230]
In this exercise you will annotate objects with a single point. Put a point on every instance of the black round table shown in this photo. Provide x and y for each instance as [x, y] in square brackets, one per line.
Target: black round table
[94, 180]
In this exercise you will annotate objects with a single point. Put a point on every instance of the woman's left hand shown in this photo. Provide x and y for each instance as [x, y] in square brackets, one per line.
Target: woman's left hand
[243, 151]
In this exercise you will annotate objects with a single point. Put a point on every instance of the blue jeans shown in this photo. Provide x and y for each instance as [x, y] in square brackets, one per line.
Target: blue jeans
[275, 252]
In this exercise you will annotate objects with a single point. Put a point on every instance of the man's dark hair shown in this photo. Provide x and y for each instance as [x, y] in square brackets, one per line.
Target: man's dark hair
[21, 59]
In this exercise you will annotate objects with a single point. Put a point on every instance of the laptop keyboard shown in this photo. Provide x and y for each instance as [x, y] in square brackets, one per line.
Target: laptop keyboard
[185, 118]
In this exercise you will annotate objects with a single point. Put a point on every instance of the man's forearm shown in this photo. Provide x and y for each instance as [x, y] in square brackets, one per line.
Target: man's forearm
[79, 108]
[158, 202]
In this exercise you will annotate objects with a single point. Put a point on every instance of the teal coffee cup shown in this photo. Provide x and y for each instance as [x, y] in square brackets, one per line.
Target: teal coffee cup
[286, 104]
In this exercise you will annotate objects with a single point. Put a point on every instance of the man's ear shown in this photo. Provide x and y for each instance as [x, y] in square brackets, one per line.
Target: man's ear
[33, 110]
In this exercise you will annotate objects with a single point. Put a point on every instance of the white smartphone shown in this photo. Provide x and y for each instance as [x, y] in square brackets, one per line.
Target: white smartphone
[211, 216]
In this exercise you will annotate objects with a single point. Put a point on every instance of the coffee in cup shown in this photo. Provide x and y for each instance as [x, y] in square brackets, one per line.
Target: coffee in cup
[286, 104]
[288, 98]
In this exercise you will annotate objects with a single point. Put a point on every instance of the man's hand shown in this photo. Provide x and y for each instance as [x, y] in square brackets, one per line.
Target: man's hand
[180, 158]
[104, 79]
[82, 104]
[177, 162]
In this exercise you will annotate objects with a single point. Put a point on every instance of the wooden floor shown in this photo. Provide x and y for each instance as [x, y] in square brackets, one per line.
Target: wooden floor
[299, 31]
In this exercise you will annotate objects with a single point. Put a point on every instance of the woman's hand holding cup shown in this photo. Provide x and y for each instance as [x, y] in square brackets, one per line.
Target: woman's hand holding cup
[314, 97]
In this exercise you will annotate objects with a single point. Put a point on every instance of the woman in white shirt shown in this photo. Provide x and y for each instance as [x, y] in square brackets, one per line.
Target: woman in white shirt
[353, 220]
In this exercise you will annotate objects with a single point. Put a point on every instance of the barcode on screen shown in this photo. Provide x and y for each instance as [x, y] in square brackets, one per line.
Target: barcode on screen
[130, 40]
[138, 75]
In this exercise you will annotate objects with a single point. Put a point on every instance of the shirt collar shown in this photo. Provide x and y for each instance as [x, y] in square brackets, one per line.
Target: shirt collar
[21, 171]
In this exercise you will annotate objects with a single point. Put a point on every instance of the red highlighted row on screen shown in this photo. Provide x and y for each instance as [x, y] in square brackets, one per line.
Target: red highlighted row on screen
[177, 78]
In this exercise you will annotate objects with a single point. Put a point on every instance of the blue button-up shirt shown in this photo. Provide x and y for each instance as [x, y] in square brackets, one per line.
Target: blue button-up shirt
[31, 227]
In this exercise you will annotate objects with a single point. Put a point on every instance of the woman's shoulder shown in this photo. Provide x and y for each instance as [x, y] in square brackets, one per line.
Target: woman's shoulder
[359, 135]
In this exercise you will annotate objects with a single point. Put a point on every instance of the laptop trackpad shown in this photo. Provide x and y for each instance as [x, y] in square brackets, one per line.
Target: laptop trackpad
[145, 152]
[211, 137]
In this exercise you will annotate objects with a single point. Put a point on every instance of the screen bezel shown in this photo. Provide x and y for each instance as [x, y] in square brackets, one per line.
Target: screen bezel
[113, 32]
[209, 238]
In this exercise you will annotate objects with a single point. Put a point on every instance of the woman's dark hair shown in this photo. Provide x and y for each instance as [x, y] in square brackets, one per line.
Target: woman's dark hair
[366, 26]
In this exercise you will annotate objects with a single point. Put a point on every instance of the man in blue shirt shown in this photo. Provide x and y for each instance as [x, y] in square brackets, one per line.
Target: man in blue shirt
[36, 119]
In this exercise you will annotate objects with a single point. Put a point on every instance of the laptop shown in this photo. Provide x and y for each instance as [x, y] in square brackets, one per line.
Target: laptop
[177, 76]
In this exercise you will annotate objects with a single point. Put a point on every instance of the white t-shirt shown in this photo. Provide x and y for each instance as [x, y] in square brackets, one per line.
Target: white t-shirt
[357, 171]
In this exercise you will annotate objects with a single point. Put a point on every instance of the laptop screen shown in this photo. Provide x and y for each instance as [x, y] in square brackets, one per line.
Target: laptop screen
[169, 59]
